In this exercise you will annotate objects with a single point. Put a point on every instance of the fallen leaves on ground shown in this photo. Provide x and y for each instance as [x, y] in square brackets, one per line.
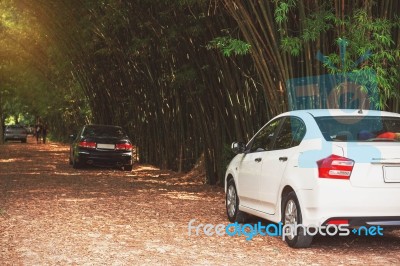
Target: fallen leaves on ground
[51, 214]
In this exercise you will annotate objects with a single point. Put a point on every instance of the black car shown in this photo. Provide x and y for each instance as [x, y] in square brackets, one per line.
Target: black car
[101, 145]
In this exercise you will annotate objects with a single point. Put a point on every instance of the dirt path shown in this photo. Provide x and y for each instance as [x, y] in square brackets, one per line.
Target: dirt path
[51, 214]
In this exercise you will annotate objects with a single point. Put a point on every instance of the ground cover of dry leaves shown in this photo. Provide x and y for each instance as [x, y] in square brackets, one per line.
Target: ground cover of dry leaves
[51, 214]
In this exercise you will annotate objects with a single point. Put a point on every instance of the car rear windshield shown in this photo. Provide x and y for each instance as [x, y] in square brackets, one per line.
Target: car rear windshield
[15, 127]
[113, 132]
[355, 128]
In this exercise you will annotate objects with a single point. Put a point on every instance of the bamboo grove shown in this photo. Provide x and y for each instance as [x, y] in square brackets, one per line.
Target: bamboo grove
[186, 78]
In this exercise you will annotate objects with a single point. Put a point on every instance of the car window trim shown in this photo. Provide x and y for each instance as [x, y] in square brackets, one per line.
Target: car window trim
[250, 143]
[280, 129]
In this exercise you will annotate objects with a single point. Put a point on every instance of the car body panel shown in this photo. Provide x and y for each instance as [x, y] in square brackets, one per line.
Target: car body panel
[105, 151]
[249, 170]
[15, 132]
[274, 164]
[371, 193]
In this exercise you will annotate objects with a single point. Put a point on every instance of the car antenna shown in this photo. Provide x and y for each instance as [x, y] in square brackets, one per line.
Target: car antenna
[360, 111]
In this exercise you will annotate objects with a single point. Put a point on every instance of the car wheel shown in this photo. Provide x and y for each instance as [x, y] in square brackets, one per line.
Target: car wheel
[291, 215]
[232, 204]
[128, 168]
[23, 141]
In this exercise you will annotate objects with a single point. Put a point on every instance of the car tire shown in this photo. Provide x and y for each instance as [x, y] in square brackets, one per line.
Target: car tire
[291, 214]
[232, 204]
[23, 141]
[128, 168]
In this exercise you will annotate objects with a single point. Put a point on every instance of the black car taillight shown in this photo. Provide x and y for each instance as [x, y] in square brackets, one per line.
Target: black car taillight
[123, 146]
[87, 144]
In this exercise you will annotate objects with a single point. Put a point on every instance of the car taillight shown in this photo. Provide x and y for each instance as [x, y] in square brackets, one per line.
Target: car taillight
[123, 146]
[338, 221]
[335, 166]
[87, 144]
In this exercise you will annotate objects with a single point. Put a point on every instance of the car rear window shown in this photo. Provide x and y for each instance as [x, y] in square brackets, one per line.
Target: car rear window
[355, 128]
[114, 132]
[15, 127]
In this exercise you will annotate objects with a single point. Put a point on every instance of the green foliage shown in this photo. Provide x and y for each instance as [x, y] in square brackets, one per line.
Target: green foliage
[315, 24]
[149, 66]
[229, 46]
[35, 77]
[282, 10]
[292, 45]
[357, 34]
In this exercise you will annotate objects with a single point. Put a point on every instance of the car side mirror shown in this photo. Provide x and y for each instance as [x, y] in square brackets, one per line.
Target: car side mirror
[238, 147]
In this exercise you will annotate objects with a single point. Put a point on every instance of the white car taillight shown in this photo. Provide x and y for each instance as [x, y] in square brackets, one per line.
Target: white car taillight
[335, 166]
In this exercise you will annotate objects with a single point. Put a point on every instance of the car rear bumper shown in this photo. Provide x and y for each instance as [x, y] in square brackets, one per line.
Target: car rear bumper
[15, 136]
[105, 158]
[337, 199]
[385, 221]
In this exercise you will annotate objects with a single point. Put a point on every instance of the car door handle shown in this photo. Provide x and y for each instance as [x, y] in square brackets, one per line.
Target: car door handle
[257, 160]
[283, 159]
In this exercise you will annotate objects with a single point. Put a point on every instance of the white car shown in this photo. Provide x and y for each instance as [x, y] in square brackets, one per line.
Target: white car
[319, 167]
[15, 132]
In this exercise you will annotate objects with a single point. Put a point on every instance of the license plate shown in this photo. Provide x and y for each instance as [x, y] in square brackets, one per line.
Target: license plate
[391, 174]
[106, 146]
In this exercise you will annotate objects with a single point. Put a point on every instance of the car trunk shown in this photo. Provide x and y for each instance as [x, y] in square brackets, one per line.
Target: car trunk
[377, 164]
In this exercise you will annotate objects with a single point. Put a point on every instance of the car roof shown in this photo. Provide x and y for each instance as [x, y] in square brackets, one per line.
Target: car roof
[338, 112]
